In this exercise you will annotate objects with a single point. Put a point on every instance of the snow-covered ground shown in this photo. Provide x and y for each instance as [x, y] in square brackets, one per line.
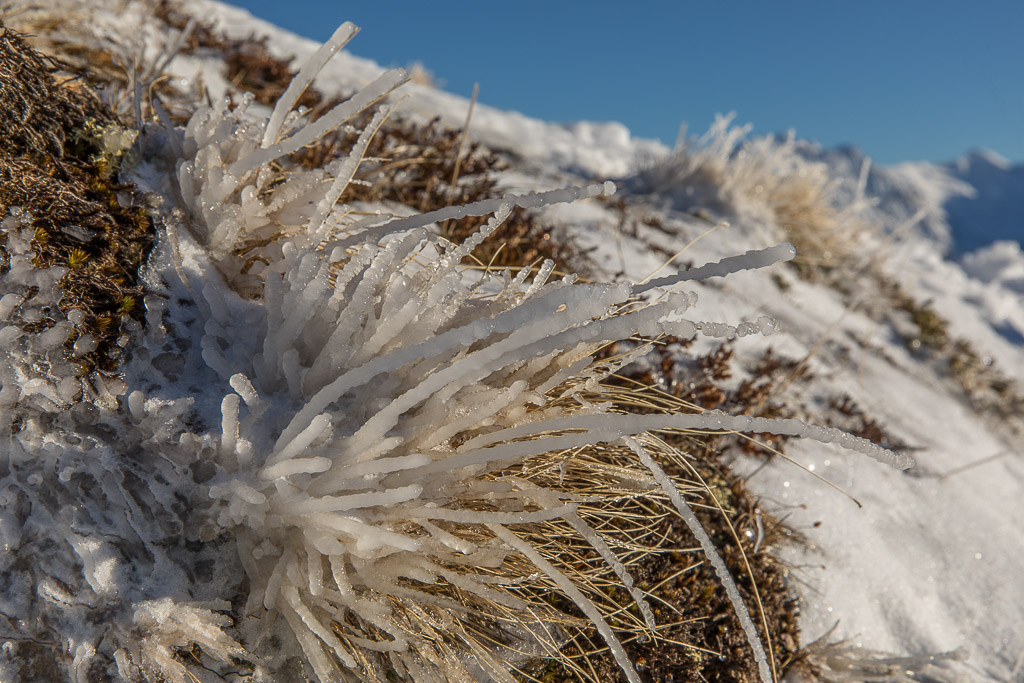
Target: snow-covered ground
[932, 562]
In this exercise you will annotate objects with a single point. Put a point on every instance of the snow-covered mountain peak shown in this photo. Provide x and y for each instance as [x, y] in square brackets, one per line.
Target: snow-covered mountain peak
[981, 158]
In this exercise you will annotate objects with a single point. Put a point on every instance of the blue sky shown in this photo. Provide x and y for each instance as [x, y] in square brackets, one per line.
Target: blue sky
[903, 79]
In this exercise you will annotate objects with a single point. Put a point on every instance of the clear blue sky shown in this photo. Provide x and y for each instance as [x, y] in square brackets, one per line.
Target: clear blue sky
[902, 79]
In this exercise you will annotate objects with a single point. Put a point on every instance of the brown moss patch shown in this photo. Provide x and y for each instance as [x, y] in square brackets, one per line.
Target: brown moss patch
[39, 113]
[59, 169]
[248, 64]
[850, 417]
[705, 382]
[251, 67]
[415, 164]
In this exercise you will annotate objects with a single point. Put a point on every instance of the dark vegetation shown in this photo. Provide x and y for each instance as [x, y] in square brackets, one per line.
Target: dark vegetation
[62, 147]
[419, 166]
[983, 385]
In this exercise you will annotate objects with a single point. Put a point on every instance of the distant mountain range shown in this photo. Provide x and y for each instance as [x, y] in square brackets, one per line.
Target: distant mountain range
[963, 205]
[995, 211]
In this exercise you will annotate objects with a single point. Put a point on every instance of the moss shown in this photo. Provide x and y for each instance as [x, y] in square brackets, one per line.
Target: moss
[39, 114]
[850, 417]
[932, 329]
[59, 165]
[77, 258]
[414, 164]
[109, 144]
[780, 282]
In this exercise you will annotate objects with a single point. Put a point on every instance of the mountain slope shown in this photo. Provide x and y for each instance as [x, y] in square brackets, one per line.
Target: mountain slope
[925, 567]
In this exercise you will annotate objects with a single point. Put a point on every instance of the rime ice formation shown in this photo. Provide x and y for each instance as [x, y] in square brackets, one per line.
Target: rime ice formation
[337, 408]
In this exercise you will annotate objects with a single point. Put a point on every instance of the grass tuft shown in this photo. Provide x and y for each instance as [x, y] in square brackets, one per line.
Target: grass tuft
[761, 179]
[84, 225]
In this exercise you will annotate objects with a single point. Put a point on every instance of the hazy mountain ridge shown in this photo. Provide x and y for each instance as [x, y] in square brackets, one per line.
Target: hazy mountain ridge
[965, 204]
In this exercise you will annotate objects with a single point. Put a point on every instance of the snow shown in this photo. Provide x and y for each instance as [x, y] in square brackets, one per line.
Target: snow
[999, 262]
[932, 561]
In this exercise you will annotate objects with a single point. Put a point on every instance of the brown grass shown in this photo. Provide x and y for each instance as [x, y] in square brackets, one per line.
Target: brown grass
[701, 638]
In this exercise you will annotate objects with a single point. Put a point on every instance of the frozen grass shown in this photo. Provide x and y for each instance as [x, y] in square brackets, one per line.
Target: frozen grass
[516, 357]
[762, 179]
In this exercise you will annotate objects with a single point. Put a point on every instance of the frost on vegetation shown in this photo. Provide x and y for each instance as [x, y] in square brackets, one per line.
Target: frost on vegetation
[44, 379]
[845, 664]
[394, 447]
[763, 179]
[226, 173]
